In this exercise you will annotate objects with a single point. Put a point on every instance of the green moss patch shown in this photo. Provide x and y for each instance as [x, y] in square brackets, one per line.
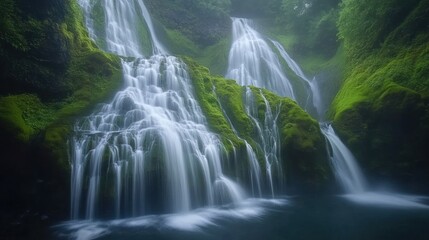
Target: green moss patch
[302, 144]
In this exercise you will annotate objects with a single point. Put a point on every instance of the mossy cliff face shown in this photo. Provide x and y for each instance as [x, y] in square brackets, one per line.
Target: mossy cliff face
[51, 74]
[204, 22]
[382, 110]
[302, 144]
[197, 28]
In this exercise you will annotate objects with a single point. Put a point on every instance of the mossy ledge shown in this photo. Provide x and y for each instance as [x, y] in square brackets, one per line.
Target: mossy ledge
[302, 144]
[382, 109]
[62, 76]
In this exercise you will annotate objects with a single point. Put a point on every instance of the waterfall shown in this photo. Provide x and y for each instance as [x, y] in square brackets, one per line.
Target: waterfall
[313, 90]
[253, 62]
[149, 149]
[343, 162]
[158, 48]
[255, 173]
[269, 138]
[123, 23]
[87, 9]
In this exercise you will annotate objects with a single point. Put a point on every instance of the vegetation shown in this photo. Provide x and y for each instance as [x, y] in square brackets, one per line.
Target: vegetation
[302, 144]
[51, 74]
[87, 74]
[204, 22]
[382, 108]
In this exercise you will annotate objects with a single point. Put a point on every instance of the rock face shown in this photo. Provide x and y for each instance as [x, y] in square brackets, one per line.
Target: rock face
[51, 73]
[390, 137]
[34, 54]
[204, 24]
[382, 108]
[302, 144]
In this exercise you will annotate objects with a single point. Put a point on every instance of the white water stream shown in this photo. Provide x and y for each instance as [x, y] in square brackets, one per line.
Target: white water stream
[149, 148]
[244, 60]
[253, 62]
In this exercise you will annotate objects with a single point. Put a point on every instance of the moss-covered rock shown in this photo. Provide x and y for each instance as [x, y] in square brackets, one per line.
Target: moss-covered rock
[302, 144]
[204, 22]
[51, 73]
[382, 108]
[390, 136]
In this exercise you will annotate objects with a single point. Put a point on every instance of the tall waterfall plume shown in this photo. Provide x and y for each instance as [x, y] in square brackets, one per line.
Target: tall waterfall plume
[253, 62]
[149, 149]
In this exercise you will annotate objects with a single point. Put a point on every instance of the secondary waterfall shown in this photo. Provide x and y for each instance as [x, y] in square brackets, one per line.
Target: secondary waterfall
[314, 100]
[253, 62]
[343, 162]
[149, 149]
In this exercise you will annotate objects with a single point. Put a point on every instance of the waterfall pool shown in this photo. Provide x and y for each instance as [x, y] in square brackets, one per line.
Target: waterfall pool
[381, 216]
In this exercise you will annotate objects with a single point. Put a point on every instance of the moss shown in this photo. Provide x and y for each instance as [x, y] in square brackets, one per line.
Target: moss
[180, 44]
[381, 110]
[302, 146]
[366, 81]
[389, 135]
[204, 83]
[12, 120]
[214, 56]
[90, 75]
[204, 23]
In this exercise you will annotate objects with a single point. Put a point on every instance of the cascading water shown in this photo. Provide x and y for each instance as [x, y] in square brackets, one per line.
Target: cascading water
[269, 138]
[248, 53]
[152, 129]
[149, 149]
[87, 9]
[344, 163]
[313, 89]
[252, 62]
[254, 172]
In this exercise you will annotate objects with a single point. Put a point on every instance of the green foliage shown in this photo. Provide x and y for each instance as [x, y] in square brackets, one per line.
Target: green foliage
[87, 75]
[302, 144]
[180, 44]
[364, 24]
[255, 8]
[382, 109]
[400, 59]
[306, 28]
[11, 33]
[366, 81]
[389, 135]
[99, 24]
[214, 56]
[297, 129]
[414, 24]
[207, 5]
[203, 22]
[12, 117]
[204, 85]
